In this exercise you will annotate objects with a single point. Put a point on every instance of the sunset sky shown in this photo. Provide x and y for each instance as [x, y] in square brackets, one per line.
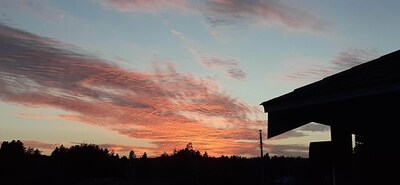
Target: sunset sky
[154, 75]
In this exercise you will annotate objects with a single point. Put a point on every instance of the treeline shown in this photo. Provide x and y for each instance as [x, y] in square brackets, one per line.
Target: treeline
[90, 164]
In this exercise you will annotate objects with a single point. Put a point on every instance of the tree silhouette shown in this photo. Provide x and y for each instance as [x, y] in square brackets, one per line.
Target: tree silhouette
[90, 164]
[132, 155]
[15, 161]
[144, 156]
[59, 152]
[13, 149]
[164, 155]
[187, 153]
[205, 155]
[33, 152]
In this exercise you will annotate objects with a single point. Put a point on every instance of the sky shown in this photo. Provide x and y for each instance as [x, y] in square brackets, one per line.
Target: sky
[154, 75]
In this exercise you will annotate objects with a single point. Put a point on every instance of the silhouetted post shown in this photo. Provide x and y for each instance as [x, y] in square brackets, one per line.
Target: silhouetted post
[261, 144]
[342, 153]
[261, 159]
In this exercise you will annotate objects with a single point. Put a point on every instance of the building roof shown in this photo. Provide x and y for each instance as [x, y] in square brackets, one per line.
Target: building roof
[374, 83]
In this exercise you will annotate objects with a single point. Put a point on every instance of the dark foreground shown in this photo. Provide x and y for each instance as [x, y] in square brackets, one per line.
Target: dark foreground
[87, 164]
[46, 170]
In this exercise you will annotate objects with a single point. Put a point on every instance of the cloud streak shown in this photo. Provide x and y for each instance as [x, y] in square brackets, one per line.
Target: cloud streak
[36, 116]
[167, 107]
[227, 12]
[350, 57]
[38, 144]
[145, 5]
[315, 127]
[230, 66]
[344, 59]
[287, 150]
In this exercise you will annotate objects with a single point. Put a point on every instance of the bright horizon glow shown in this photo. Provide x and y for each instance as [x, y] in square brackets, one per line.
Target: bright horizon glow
[152, 76]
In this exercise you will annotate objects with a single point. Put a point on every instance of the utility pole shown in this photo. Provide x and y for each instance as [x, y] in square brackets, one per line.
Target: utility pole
[262, 160]
[261, 144]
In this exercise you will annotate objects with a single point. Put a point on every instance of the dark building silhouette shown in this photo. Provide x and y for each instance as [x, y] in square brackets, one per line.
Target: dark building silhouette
[364, 101]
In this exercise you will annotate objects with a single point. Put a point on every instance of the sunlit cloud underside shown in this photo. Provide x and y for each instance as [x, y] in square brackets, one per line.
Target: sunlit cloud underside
[165, 106]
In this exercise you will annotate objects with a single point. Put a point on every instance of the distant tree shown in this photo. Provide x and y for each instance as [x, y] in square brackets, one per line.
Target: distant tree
[88, 151]
[37, 152]
[29, 151]
[189, 146]
[132, 155]
[13, 149]
[85, 160]
[107, 151]
[144, 156]
[266, 156]
[187, 153]
[55, 152]
[205, 155]
[164, 155]
[59, 151]
[33, 152]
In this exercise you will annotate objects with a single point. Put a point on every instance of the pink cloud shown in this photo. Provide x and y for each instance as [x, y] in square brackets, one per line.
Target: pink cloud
[223, 12]
[145, 5]
[36, 116]
[48, 147]
[163, 106]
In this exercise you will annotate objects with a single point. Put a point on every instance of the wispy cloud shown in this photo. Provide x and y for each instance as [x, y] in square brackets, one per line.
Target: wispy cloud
[237, 73]
[265, 11]
[344, 59]
[287, 150]
[163, 106]
[36, 116]
[178, 34]
[351, 57]
[40, 145]
[290, 134]
[230, 66]
[145, 5]
[315, 127]
[42, 9]
[226, 12]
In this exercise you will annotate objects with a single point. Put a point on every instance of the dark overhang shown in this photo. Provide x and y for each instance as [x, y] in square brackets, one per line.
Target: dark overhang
[353, 99]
